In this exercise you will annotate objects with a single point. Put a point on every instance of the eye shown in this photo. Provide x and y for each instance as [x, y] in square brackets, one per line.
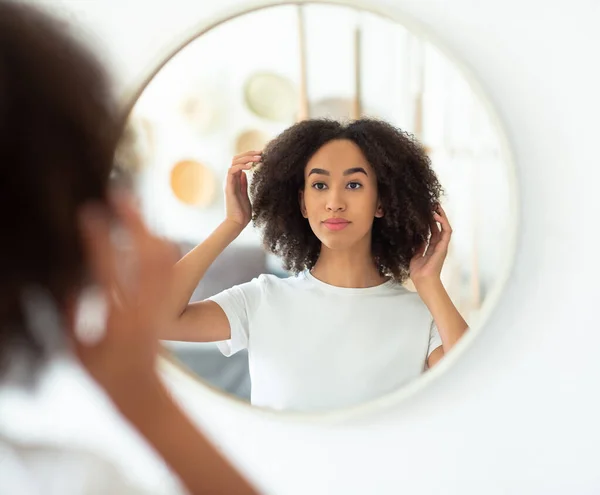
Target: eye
[354, 185]
[319, 186]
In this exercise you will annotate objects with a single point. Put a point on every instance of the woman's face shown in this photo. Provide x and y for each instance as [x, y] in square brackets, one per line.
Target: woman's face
[340, 195]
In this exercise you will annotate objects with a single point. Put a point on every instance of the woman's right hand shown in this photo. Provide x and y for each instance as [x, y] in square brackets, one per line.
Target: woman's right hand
[237, 201]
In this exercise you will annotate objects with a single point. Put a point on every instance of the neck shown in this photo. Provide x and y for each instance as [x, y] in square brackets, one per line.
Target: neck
[351, 268]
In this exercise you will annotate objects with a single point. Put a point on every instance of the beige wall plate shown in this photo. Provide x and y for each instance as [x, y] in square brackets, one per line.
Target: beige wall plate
[272, 97]
[193, 183]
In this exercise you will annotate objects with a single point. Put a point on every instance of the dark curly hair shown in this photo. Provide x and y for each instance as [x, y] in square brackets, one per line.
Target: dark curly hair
[58, 131]
[407, 186]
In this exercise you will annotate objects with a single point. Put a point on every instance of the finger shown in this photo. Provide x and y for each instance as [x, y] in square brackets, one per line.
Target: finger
[421, 250]
[441, 243]
[434, 229]
[446, 229]
[246, 163]
[236, 169]
[244, 185]
[232, 176]
[246, 159]
[434, 238]
[442, 214]
[440, 211]
[248, 153]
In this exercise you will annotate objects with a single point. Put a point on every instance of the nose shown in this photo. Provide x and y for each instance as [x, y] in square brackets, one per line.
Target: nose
[335, 202]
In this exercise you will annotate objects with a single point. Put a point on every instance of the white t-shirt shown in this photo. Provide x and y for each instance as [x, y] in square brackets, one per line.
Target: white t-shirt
[313, 346]
[40, 469]
[64, 437]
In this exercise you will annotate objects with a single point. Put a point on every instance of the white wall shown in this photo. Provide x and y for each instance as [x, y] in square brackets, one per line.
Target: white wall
[517, 410]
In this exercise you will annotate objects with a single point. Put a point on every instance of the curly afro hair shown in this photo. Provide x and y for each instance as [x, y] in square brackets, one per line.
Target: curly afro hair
[408, 190]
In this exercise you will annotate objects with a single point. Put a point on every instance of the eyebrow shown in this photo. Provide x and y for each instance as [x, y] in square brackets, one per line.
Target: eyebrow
[350, 171]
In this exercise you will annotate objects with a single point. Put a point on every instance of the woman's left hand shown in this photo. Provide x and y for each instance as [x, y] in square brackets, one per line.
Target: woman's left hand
[428, 261]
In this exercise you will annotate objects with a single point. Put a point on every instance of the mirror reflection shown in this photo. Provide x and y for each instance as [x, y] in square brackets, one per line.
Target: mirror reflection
[340, 196]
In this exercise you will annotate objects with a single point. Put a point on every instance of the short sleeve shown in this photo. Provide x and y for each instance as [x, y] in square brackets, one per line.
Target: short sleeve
[435, 340]
[239, 304]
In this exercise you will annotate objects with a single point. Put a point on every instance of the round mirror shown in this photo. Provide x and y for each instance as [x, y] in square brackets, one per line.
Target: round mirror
[298, 341]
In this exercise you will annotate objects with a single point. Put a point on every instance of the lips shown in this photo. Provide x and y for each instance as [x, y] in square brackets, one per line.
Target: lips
[336, 223]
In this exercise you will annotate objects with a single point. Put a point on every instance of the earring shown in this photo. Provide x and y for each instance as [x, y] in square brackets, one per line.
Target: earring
[90, 317]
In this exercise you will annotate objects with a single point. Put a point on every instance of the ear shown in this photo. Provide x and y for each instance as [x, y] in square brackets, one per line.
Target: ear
[302, 204]
[379, 211]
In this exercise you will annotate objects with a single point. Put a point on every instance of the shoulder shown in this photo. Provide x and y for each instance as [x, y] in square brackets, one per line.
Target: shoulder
[255, 293]
[263, 284]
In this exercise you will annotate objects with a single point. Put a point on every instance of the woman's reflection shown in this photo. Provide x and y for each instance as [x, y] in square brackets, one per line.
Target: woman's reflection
[353, 210]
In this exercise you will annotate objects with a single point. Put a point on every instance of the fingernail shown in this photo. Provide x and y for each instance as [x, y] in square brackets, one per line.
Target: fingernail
[257, 157]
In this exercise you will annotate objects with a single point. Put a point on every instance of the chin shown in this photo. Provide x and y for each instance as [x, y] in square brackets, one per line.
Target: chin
[336, 244]
[342, 240]
[337, 241]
